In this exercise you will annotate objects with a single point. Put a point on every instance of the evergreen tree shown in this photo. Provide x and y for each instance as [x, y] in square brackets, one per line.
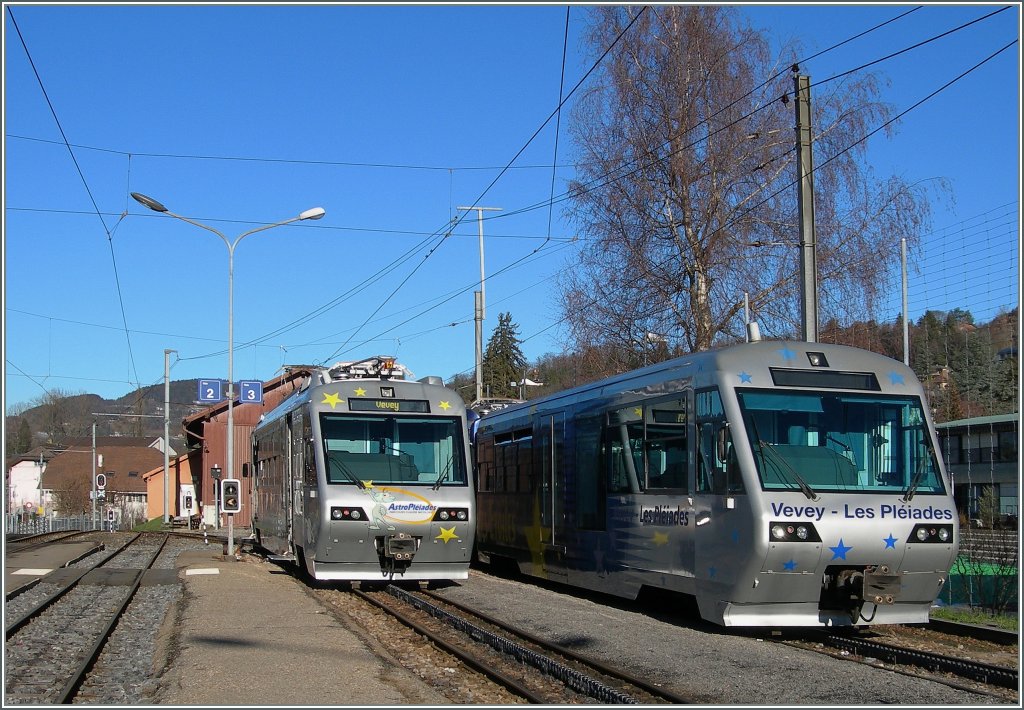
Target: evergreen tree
[23, 441]
[504, 363]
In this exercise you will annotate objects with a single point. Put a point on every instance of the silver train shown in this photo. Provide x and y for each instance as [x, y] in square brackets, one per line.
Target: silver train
[362, 475]
[778, 483]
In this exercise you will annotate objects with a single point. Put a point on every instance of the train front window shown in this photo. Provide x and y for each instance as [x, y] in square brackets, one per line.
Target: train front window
[382, 449]
[840, 442]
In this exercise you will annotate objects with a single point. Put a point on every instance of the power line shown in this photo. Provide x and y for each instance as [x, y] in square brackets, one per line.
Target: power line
[85, 183]
[287, 161]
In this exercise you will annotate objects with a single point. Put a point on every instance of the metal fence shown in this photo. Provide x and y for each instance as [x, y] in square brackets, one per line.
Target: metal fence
[35, 525]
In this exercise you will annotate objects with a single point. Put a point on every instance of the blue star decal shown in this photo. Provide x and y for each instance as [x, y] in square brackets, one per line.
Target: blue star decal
[890, 541]
[712, 572]
[790, 566]
[787, 354]
[895, 378]
[735, 535]
[840, 550]
[744, 377]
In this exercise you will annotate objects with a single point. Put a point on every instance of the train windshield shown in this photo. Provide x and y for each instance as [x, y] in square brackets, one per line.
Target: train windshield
[840, 442]
[383, 449]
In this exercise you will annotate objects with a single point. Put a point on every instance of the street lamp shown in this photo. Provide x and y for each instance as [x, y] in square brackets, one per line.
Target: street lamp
[313, 213]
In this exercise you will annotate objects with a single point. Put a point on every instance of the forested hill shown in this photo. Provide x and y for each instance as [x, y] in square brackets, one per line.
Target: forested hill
[968, 370]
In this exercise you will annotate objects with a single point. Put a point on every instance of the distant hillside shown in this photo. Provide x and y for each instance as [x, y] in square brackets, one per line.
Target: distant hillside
[63, 417]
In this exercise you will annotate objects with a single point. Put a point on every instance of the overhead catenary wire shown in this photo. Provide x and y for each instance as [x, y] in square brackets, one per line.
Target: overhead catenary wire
[551, 203]
[85, 184]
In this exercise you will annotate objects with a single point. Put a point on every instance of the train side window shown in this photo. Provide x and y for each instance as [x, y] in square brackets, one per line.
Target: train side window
[665, 445]
[717, 467]
[623, 450]
[485, 462]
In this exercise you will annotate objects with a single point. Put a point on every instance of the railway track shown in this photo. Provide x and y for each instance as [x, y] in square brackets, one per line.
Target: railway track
[934, 662]
[71, 638]
[531, 668]
[31, 542]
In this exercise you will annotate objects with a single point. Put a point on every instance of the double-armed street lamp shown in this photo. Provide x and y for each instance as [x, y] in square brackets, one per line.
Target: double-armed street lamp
[313, 213]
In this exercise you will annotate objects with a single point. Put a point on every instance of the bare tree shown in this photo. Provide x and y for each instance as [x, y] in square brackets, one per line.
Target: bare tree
[64, 414]
[73, 497]
[686, 189]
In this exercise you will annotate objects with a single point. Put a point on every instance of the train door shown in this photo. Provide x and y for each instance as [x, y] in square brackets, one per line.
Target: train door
[293, 478]
[550, 444]
[723, 518]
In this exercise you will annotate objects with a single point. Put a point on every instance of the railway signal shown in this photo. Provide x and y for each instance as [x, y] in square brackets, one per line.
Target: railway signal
[230, 496]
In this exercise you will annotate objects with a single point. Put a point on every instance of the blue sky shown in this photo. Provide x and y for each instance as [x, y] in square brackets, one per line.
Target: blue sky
[388, 117]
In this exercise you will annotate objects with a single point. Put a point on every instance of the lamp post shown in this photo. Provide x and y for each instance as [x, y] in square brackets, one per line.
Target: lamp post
[313, 213]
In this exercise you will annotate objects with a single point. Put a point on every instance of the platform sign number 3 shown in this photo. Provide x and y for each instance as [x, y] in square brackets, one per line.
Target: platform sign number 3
[250, 392]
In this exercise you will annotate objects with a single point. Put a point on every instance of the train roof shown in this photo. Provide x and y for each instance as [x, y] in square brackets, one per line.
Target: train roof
[750, 361]
[380, 369]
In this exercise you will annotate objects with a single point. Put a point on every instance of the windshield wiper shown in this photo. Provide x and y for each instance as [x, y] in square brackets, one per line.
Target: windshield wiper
[347, 471]
[805, 488]
[444, 473]
[918, 474]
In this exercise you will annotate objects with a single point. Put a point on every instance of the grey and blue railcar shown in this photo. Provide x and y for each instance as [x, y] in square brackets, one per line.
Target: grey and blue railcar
[778, 483]
[362, 475]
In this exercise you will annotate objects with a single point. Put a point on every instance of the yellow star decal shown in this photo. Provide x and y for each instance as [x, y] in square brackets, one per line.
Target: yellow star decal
[367, 485]
[331, 399]
[447, 534]
[639, 412]
[445, 406]
[360, 392]
[660, 538]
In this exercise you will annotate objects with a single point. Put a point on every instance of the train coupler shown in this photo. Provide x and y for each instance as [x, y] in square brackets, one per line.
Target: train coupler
[400, 546]
[880, 585]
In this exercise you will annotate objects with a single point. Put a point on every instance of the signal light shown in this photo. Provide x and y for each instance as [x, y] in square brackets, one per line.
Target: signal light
[230, 496]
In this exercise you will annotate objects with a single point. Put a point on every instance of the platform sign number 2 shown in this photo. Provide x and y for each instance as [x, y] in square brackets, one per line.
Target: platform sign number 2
[211, 390]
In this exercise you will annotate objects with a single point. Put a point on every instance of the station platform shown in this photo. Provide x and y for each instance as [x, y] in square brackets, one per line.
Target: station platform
[248, 634]
[22, 568]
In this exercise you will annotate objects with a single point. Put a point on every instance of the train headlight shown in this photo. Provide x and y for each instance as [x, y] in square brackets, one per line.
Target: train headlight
[342, 513]
[793, 532]
[933, 533]
[451, 514]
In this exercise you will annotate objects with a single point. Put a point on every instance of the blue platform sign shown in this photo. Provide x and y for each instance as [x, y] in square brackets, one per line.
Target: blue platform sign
[250, 392]
[211, 391]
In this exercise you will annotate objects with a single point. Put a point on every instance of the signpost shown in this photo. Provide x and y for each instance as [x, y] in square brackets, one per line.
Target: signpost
[211, 391]
[250, 392]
